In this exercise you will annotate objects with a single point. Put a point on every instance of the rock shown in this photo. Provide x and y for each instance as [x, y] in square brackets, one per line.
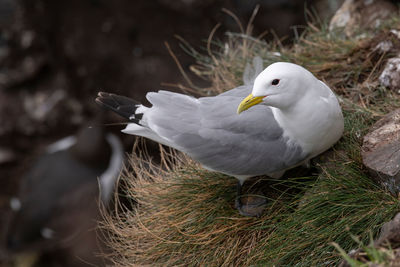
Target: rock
[381, 151]
[361, 14]
[390, 76]
[390, 233]
[7, 155]
[27, 71]
[39, 105]
[8, 10]
[384, 46]
[387, 244]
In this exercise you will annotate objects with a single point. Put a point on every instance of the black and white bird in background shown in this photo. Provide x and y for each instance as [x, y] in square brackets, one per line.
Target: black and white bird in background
[279, 119]
[59, 196]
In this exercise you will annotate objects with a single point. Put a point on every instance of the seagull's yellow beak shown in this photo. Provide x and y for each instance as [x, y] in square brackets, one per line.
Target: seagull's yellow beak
[248, 102]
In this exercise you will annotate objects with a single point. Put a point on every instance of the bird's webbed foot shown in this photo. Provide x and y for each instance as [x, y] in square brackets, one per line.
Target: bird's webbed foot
[251, 205]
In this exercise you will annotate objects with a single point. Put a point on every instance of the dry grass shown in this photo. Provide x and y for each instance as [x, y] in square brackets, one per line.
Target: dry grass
[175, 207]
[184, 215]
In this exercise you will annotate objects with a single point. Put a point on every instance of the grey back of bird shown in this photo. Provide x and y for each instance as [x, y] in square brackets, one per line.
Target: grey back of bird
[210, 131]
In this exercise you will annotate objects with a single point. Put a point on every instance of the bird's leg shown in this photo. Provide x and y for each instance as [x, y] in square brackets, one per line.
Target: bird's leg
[253, 207]
[306, 164]
[238, 201]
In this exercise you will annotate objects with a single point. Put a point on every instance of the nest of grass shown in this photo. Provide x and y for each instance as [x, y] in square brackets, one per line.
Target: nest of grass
[184, 215]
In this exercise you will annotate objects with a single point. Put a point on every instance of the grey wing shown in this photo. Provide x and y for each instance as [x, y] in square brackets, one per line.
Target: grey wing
[241, 91]
[211, 132]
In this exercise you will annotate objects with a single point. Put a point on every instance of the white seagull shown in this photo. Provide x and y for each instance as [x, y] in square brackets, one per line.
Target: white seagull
[287, 118]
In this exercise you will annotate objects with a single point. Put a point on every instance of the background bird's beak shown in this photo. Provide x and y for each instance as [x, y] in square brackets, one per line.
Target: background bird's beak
[248, 102]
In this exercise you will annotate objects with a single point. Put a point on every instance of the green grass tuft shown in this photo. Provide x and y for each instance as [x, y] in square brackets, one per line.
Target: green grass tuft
[342, 200]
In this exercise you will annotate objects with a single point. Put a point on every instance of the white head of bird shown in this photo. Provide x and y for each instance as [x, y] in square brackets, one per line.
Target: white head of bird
[304, 106]
[280, 85]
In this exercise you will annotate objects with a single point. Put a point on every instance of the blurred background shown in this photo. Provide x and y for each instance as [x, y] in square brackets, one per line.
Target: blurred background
[54, 58]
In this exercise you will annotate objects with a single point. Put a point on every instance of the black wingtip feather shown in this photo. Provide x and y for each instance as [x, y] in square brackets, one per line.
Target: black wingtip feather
[121, 105]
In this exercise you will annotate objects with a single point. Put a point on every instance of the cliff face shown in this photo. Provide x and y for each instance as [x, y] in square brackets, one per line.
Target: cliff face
[184, 215]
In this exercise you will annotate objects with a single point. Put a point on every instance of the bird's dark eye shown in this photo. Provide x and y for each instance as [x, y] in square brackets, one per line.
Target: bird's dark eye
[275, 82]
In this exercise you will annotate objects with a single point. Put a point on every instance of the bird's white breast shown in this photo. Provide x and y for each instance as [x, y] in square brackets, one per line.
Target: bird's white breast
[316, 123]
